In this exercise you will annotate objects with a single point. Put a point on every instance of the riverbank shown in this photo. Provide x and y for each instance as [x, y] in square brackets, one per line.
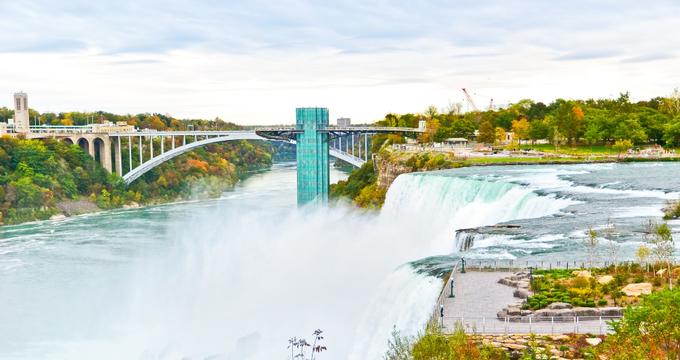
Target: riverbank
[43, 179]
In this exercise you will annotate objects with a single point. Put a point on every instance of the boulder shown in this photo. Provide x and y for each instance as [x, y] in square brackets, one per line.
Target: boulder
[512, 346]
[605, 279]
[594, 341]
[58, 217]
[521, 293]
[559, 305]
[523, 284]
[586, 311]
[131, 205]
[611, 311]
[557, 314]
[637, 289]
[512, 310]
[582, 273]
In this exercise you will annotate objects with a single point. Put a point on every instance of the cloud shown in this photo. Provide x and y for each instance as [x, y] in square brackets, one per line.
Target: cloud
[649, 58]
[254, 61]
[588, 55]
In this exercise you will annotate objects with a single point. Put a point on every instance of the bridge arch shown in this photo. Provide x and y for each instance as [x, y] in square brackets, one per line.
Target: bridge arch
[98, 144]
[67, 141]
[148, 165]
[84, 144]
[157, 160]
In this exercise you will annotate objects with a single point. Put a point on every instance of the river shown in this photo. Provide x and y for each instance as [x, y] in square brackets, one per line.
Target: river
[234, 278]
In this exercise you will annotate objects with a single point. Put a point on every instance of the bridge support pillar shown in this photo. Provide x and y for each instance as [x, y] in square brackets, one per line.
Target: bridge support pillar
[312, 156]
[105, 155]
[119, 157]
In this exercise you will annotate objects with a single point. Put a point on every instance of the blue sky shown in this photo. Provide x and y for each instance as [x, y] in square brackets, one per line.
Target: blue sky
[254, 62]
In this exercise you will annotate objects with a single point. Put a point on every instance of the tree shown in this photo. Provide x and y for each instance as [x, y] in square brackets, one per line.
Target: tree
[590, 242]
[650, 330]
[538, 130]
[671, 132]
[398, 347]
[659, 235]
[642, 255]
[431, 112]
[621, 146]
[593, 134]
[487, 133]
[612, 247]
[499, 135]
[672, 103]
[568, 119]
[520, 129]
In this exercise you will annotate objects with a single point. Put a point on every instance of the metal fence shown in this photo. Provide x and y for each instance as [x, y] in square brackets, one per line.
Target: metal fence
[562, 325]
[512, 265]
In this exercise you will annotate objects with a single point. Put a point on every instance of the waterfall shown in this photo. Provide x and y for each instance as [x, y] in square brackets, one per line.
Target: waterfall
[234, 279]
[435, 205]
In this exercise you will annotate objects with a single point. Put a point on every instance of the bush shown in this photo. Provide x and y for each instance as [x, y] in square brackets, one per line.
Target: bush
[650, 330]
[435, 345]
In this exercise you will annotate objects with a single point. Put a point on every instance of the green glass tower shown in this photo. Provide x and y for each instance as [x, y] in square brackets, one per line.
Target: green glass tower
[312, 155]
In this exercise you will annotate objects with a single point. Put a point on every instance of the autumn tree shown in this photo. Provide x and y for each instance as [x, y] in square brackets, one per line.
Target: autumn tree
[520, 129]
[499, 135]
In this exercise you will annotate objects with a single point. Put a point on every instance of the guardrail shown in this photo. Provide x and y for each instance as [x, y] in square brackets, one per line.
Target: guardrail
[443, 295]
[510, 265]
[562, 325]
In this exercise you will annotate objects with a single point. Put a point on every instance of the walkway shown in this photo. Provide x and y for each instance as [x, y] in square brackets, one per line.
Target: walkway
[479, 297]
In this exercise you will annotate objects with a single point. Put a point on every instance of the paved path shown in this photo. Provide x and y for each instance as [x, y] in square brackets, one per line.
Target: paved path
[478, 299]
[478, 294]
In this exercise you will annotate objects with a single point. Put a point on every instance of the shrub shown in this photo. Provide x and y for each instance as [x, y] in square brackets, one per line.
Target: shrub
[650, 330]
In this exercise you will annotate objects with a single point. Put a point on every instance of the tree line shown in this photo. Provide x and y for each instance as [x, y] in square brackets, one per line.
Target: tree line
[571, 122]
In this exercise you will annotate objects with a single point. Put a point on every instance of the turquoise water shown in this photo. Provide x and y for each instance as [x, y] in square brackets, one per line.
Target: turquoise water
[236, 277]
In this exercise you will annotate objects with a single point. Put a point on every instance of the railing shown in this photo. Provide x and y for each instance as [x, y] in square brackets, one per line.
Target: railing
[562, 325]
[436, 317]
[510, 264]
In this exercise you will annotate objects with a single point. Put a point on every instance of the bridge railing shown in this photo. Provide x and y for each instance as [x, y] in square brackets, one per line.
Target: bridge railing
[510, 264]
[554, 325]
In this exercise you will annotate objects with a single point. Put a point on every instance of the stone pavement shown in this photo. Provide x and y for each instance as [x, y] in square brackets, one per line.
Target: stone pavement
[479, 297]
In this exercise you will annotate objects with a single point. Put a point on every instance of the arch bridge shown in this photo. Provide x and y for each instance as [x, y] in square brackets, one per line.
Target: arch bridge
[315, 141]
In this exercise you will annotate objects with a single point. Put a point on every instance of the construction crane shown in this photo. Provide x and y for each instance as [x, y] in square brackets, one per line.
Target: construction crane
[469, 100]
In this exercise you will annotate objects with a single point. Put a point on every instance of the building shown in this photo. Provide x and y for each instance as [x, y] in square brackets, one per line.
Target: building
[109, 127]
[344, 122]
[3, 129]
[22, 120]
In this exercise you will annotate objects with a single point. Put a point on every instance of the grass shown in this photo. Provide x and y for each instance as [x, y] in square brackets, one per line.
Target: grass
[579, 150]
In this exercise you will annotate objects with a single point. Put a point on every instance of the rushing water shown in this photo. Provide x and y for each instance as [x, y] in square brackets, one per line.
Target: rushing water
[236, 277]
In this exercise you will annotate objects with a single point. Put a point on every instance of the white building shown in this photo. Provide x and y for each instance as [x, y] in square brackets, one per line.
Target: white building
[344, 122]
[22, 120]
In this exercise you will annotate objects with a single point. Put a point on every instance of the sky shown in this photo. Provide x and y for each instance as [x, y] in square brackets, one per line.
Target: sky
[254, 62]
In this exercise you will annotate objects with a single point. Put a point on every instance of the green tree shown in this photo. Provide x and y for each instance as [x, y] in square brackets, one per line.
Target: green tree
[487, 133]
[621, 146]
[650, 330]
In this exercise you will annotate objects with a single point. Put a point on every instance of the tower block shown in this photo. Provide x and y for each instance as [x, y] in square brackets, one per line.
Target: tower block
[21, 116]
[312, 155]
